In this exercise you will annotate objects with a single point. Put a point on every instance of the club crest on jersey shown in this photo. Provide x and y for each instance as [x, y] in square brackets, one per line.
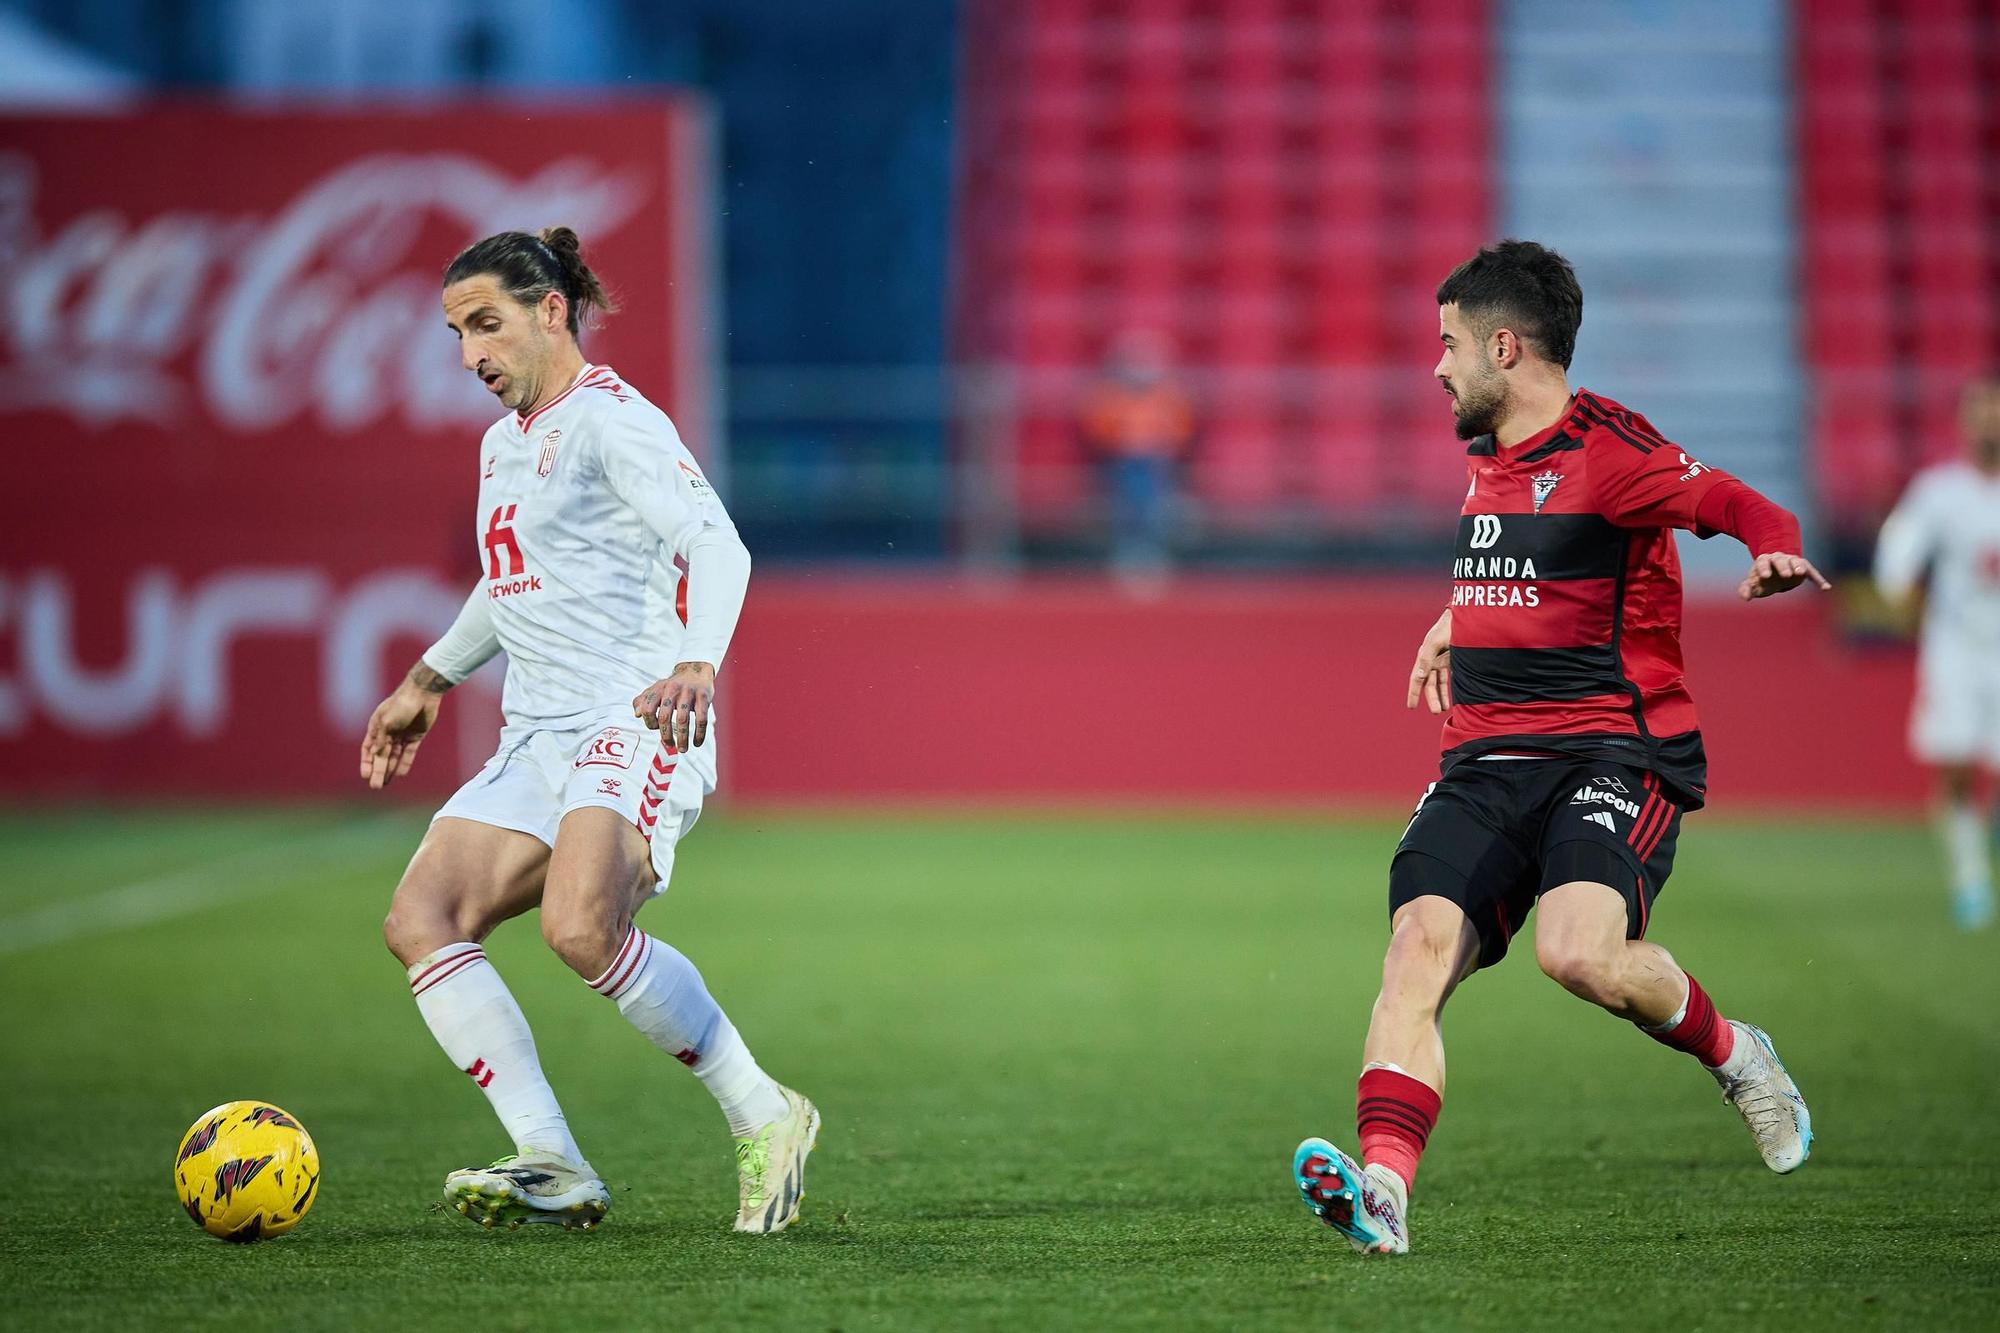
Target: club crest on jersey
[1545, 486]
[547, 462]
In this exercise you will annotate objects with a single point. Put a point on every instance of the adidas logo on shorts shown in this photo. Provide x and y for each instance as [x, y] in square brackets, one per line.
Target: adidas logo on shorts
[1601, 817]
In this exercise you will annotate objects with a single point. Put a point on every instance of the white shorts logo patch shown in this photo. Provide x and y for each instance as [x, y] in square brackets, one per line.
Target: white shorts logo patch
[613, 747]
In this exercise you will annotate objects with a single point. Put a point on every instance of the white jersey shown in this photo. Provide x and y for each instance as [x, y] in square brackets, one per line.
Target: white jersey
[1949, 523]
[584, 507]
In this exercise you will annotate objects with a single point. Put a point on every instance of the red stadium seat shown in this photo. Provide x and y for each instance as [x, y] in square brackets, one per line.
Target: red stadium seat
[1268, 182]
[1901, 233]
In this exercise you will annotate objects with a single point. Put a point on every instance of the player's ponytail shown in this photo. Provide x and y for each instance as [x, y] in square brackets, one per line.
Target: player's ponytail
[530, 267]
[584, 290]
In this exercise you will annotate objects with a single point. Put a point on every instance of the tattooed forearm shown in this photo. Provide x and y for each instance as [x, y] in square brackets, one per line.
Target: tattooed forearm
[428, 680]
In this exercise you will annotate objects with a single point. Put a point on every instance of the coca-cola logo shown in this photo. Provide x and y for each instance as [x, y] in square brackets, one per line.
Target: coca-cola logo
[324, 309]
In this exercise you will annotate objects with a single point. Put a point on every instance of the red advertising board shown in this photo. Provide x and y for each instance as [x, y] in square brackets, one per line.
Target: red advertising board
[1234, 692]
[241, 450]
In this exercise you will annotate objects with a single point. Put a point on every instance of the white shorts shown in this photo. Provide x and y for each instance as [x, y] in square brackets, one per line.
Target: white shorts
[542, 771]
[1956, 719]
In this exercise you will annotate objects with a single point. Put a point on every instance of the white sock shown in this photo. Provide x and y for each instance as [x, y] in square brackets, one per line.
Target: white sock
[1965, 846]
[474, 1017]
[661, 994]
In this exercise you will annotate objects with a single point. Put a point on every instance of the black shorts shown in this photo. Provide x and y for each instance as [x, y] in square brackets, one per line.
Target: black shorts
[1493, 835]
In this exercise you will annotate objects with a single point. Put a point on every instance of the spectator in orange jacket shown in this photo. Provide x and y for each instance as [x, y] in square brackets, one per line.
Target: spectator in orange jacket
[1139, 423]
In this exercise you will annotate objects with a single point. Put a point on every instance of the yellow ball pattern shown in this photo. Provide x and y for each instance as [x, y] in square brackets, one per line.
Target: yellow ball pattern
[246, 1171]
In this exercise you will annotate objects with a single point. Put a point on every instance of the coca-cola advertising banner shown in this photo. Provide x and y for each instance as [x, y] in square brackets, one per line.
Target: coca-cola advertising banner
[241, 452]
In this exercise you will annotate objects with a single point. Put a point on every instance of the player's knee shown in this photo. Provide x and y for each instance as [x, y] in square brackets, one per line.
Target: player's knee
[426, 916]
[413, 930]
[1585, 973]
[585, 940]
[393, 934]
[1423, 957]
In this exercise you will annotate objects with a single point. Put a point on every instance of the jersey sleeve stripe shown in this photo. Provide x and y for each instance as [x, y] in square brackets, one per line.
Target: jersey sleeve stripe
[1594, 412]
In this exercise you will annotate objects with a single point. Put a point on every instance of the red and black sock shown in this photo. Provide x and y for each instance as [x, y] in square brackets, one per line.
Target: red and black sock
[1699, 1029]
[1395, 1114]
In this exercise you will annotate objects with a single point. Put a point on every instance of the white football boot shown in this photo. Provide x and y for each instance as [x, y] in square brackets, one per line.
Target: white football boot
[1769, 1102]
[1366, 1205]
[529, 1187]
[771, 1168]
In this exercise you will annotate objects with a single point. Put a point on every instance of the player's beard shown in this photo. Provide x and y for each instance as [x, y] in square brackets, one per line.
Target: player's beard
[524, 382]
[518, 393]
[1478, 404]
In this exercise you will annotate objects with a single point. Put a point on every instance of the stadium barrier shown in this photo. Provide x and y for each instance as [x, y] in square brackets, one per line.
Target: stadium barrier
[254, 684]
[1230, 691]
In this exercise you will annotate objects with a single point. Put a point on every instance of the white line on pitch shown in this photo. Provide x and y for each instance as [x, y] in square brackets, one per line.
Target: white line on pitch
[235, 878]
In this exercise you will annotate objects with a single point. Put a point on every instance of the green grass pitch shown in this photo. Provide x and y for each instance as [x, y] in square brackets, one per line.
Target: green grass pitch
[1063, 1064]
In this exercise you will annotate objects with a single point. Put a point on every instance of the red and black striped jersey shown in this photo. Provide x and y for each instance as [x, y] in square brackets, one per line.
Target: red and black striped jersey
[1566, 596]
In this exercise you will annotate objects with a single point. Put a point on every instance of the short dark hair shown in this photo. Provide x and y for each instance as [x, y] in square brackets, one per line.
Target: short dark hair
[530, 267]
[1526, 286]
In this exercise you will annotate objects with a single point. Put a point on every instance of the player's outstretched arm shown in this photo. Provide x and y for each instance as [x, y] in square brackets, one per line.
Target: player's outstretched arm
[399, 724]
[1661, 486]
[1778, 572]
[718, 578]
[1430, 678]
[1770, 531]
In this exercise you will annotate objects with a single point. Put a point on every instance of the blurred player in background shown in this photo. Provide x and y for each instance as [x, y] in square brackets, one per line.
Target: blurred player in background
[1571, 744]
[1948, 524]
[1138, 421]
[587, 498]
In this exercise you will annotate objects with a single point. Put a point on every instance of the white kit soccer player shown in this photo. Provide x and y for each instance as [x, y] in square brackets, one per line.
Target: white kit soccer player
[590, 507]
[1947, 525]
[582, 507]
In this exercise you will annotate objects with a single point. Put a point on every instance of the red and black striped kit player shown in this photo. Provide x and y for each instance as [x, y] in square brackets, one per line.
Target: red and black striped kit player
[1571, 742]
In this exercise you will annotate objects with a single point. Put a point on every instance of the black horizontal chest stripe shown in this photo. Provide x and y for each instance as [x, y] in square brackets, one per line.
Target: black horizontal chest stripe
[1533, 675]
[1562, 546]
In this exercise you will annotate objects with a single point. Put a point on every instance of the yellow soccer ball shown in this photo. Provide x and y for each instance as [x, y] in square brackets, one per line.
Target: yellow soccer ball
[246, 1170]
